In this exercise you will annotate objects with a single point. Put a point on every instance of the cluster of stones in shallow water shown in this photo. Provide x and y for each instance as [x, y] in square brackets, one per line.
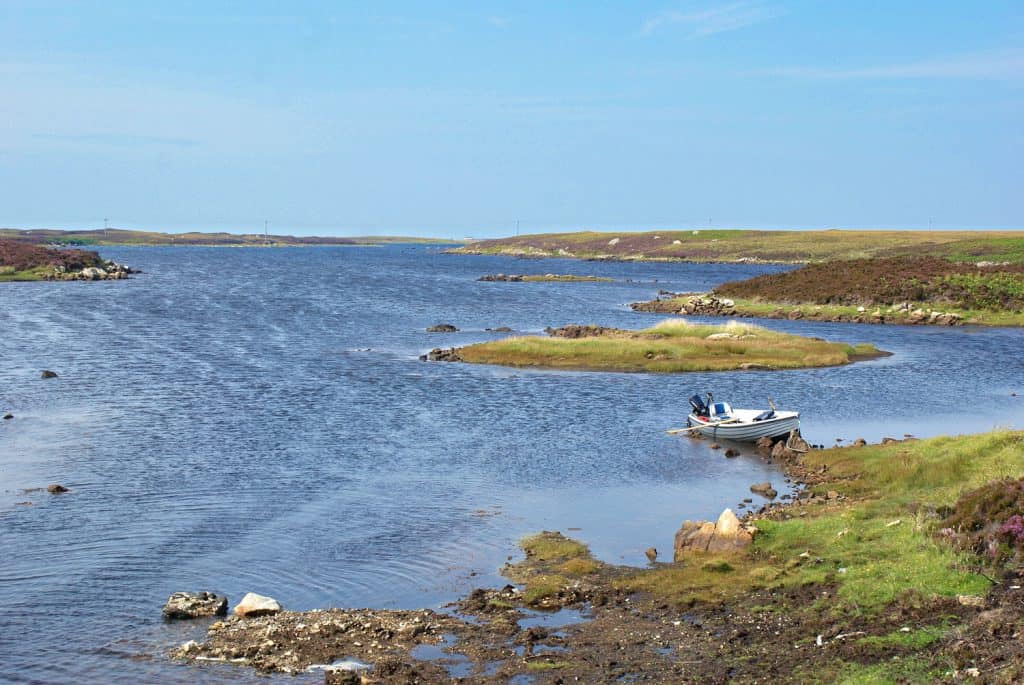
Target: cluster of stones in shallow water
[109, 271]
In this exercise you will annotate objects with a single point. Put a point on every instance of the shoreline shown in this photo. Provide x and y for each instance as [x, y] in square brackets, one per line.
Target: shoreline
[707, 617]
[904, 314]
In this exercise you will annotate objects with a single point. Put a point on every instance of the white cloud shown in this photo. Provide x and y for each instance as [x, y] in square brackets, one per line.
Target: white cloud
[995, 65]
[715, 19]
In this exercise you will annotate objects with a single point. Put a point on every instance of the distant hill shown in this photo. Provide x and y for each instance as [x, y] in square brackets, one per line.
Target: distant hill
[789, 247]
[118, 236]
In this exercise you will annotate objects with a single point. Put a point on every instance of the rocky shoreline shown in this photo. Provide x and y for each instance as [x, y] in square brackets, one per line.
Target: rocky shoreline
[709, 304]
[109, 270]
[575, 619]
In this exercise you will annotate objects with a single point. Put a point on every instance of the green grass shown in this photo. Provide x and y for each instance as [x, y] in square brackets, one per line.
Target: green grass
[552, 547]
[8, 274]
[870, 562]
[547, 665]
[911, 639]
[670, 347]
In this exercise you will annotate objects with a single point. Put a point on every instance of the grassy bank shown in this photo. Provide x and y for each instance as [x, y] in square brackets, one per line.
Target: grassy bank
[671, 346]
[763, 246]
[876, 546]
[894, 290]
[858, 583]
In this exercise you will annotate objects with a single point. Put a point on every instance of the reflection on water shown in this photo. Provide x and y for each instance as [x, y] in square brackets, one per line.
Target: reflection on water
[256, 420]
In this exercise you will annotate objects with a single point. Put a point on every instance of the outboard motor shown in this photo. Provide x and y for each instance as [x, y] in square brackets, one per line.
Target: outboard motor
[699, 408]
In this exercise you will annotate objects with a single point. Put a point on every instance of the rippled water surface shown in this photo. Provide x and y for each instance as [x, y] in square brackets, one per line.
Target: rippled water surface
[257, 420]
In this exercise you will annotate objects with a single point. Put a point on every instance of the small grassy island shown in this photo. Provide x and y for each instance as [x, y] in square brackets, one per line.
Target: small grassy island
[671, 346]
[902, 290]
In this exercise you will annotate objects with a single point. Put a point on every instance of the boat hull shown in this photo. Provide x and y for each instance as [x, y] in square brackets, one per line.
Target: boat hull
[748, 431]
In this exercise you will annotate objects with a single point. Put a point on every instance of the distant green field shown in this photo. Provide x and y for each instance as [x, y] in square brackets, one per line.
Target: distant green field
[760, 246]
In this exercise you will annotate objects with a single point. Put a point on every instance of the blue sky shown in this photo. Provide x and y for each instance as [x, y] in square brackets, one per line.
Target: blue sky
[460, 118]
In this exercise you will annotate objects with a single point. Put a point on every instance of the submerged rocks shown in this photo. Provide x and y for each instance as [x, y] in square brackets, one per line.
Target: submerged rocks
[253, 605]
[48, 374]
[764, 489]
[442, 328]
[727, 534]
[188, 605]
[56, 489]
[8, 417]
[441, 355]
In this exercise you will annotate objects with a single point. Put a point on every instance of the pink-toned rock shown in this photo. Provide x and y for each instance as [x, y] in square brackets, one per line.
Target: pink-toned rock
[728, 534]
[253, 605]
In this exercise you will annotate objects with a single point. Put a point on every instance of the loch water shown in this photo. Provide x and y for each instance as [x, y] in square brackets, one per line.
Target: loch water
[247, 419]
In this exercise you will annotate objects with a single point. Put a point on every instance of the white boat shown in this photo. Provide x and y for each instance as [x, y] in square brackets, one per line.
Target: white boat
[720, 421]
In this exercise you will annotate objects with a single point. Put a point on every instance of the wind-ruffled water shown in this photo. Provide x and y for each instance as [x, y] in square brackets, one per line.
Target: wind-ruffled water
[257, 420]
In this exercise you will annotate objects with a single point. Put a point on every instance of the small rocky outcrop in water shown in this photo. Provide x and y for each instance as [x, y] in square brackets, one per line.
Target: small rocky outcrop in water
[441, 355]
[443, 328]
[253, 605]
[48, 374]
[187, 605]
[727, 534]
[764, 489]
[56, 489]
[8, 417]
[107, 270]
[705, 304]
[506, 278]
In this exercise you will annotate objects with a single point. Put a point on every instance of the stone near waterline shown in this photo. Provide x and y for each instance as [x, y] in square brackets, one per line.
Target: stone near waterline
[48, 374]
[56, 488]
[764, 489]
[652, 554]
[188, 605]
[727, 534]
[714, 445]
[441, 355]
[93, 274]
[253, 605]
[442, 328]
[730, 452]
[764, 446]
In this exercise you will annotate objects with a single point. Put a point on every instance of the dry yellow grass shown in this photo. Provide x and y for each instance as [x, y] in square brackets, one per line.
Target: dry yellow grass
[672, 346]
